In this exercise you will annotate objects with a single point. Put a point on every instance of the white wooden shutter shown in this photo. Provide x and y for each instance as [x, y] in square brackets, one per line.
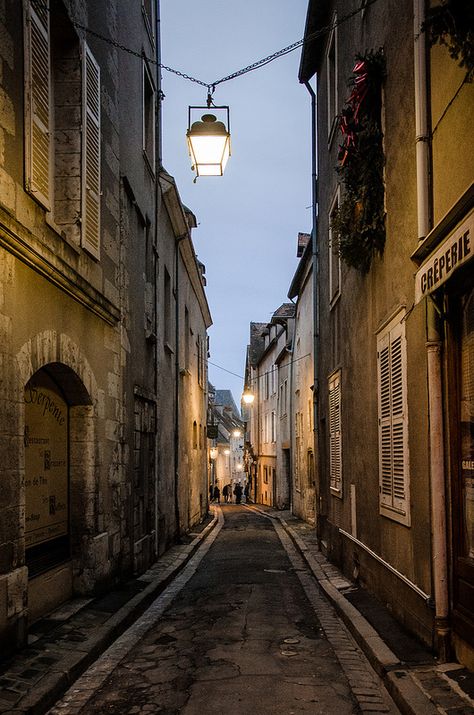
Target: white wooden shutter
[38, 102]
[335, 441]
[385, 421]
[393, 424]
[91, 154]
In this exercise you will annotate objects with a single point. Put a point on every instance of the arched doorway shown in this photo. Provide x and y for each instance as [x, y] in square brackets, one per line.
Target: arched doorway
[58, 419]
[46, 474]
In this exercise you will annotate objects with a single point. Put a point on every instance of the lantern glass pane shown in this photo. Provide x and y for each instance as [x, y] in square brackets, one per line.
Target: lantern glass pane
[208, 149]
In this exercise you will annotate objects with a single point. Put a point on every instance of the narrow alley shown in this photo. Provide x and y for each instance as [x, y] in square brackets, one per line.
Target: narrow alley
[243, 628]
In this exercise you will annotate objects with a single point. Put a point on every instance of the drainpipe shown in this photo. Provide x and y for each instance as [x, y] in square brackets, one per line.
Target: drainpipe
[315, 282]
[177, 378]
[155, 273]
[433, 347]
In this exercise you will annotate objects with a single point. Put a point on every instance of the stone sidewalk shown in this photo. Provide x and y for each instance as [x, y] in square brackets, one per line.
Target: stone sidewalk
[411, 674]
[62, 646]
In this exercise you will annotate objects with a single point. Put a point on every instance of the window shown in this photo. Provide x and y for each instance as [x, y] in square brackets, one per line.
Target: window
[265, 475]
[187, 335]
[335, 442]
[331, 78]
[334, 256]
[62, 124]
[195, 436]
[166, 307]
[38, 102]
[298, 448]
[310, 468]
[274, 375]
[148, 117]
[149, 18]
[393, 423]
[273, 427]
[201, 360]
[91, 154]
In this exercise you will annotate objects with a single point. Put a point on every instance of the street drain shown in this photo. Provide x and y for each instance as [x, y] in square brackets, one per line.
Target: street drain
[289, 653]
[291, 641]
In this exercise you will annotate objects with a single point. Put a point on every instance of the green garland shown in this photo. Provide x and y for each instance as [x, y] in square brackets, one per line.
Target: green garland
[359, 223]
[452, 24]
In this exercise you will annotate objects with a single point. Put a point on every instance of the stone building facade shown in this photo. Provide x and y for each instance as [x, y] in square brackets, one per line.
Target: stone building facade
[90, 489]
[394, 354]
[269, 378]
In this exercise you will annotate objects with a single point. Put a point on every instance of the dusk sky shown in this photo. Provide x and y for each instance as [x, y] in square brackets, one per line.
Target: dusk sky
[249, 219]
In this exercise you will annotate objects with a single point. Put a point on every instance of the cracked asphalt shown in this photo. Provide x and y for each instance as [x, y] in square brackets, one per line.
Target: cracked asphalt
[240, 634]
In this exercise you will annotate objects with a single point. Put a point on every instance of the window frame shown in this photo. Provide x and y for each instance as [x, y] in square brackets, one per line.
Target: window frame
[147, 81]
[33, 20]
[335, 434]
[332, 93]
[334, 292]
[393, 420]
[149, 20]
[91, 119]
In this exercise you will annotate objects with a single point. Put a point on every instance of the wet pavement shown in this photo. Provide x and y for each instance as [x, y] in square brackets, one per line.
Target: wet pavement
[241, 616]
[248, 632]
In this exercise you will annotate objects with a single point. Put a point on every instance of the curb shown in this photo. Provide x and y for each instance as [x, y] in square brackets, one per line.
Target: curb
[55, 683]
[398, 680]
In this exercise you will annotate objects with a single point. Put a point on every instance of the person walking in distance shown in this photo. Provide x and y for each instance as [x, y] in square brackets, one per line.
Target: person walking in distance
[238, 493]
[217, 494]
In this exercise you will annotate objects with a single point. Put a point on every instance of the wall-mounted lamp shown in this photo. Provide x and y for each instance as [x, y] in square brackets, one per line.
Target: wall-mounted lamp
[209, 139]
[213, 453]
[237, 433]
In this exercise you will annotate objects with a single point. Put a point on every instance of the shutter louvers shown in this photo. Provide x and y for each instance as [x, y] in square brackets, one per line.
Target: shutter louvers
[335, 445]
[91, 155]
[38, 103]
[393, 447]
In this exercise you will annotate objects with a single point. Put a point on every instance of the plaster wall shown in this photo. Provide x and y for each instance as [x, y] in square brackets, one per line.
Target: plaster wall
[301, 404]
[349, 327]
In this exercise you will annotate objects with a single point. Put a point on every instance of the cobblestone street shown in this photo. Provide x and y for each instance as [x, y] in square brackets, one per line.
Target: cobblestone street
[243, 629]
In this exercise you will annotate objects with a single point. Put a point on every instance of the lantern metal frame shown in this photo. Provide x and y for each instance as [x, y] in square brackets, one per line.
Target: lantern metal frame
[208, 109]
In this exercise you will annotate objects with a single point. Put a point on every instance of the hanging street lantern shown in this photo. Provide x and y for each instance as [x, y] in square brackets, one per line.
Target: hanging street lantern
[209, 139]
[213, 452]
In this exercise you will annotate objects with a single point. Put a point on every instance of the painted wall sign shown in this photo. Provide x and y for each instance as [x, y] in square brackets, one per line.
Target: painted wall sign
[456, 249]
[46, 462]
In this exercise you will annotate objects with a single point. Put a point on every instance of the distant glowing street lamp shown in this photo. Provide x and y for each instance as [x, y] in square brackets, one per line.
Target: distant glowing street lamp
[213, 453]
[209, 139]
[227, 451]
[237, 433]
[248, 397]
